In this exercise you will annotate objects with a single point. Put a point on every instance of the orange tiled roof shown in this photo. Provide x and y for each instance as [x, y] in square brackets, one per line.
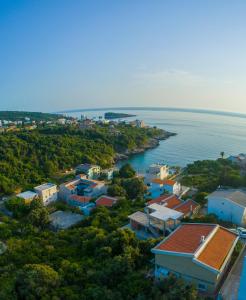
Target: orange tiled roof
[82, 199]
[158, 181]
[106, 201]
[217, 248]
[170, 201]
[169, 182]
[187, 206]
[70, 186]
[187, 238]
[158, 200]
[166, 181]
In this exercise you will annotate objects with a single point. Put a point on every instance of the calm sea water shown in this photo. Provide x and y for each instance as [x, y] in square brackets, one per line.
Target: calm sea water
[199, 136]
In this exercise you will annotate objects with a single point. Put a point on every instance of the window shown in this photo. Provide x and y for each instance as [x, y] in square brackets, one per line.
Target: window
[202, 287]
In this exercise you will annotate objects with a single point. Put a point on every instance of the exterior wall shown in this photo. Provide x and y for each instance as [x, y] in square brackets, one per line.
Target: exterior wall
[156, 190]
[184, 267]
[100, 189]
[48, 195]
[227, 210]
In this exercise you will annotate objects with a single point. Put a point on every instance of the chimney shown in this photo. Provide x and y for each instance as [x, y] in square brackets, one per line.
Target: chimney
[202, 239]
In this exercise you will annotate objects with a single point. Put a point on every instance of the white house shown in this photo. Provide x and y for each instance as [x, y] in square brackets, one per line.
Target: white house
[156, 171]
[28, 196]
[47, 192]
[158, 187]
[228, 205]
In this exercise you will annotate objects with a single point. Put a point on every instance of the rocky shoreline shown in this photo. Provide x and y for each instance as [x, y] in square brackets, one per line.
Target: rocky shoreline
[152, 143]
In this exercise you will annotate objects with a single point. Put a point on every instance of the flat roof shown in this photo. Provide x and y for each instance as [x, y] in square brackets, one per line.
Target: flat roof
[237, 196]
[140, 218]
[27, 195]
[63, 219]
[164, 213]
[45, 186]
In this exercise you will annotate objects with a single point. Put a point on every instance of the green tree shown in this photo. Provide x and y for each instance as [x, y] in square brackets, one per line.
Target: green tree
[36, 281]
[127, 171]
[116, 190]
[39, 217]
[134, 187]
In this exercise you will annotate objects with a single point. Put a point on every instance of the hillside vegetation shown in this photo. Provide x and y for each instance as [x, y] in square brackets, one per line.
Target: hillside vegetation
[29, 158]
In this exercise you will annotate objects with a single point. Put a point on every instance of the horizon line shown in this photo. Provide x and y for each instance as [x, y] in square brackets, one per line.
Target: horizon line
[157, 108]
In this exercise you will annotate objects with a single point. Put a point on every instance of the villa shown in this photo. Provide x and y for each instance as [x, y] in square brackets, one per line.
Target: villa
[47, 192]
[159, 187]
[156, 171]
[157, 220]
[198, 253]
[82, 186]
[28, 196]
[91, 171]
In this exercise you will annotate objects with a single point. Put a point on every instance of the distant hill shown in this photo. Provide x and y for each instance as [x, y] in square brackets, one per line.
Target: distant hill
[34, 116]
[113, 115]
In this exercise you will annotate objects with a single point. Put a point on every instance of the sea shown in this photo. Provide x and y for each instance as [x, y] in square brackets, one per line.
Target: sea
[200, 135]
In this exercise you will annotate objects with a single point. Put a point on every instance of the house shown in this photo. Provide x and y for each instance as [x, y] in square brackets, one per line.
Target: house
[239, 160]
[198, 253]
[157, 220]
[63, 219]
[108, 173]
[106, 201]
[156, 171]
[188, 208]
[81, 186]
[158, 187]
[86, 124]
[88, 208]
[61, 121]
[229, 205]
[170, 201]
[28, 196]
[47, 192]
[163, 218]
[78, 201]
[91, 171]
[138, 124]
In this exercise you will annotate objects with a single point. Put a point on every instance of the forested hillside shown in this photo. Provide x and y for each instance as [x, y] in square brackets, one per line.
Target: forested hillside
[29, 158]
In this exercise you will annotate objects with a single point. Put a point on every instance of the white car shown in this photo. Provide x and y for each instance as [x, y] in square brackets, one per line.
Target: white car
[241, 232]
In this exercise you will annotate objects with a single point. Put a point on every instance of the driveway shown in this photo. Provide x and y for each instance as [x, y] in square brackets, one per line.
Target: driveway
[229, 290]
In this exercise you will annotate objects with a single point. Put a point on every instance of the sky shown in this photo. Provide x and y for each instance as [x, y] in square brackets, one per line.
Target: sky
[70, 54]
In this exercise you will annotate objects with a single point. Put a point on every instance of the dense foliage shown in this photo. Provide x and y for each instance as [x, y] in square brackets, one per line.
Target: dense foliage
[29, 158]
[94, 260]
[207, 175]
[34, 116]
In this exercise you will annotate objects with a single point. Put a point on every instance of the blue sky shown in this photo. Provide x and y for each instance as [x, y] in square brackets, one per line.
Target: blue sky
[57, 55]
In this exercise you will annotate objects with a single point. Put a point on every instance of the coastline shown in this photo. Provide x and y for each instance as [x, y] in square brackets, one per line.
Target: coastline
[151, 144]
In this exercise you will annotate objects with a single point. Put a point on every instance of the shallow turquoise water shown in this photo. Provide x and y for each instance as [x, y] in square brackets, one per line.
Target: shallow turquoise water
[199, 136]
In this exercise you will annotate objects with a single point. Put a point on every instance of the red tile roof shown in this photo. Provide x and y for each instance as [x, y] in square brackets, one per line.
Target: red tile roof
[170, 182]
[217, 249]
[81, 199]
[170, 201]
[187, 206]
[186, 238]
[106, 201]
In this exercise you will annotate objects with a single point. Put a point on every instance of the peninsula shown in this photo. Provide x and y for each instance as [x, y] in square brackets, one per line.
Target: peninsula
[113, 115]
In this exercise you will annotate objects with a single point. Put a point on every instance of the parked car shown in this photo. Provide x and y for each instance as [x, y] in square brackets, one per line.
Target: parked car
[241, 232]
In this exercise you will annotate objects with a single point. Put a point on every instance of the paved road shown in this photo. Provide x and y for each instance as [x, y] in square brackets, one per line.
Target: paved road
[229, 290]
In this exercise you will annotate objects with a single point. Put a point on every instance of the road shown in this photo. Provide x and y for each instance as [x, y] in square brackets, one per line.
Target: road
[229, 290]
